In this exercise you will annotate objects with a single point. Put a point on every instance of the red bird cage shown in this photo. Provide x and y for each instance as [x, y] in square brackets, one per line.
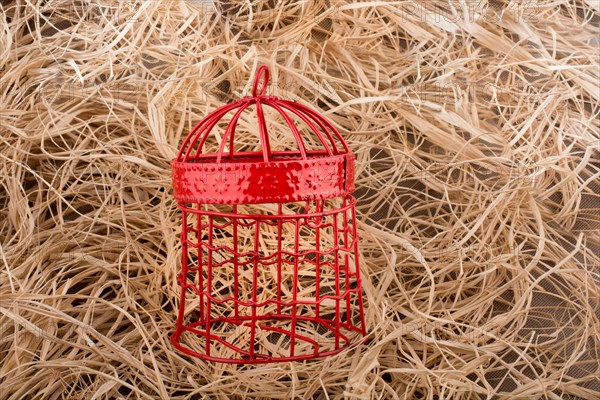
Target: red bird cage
[269, 268]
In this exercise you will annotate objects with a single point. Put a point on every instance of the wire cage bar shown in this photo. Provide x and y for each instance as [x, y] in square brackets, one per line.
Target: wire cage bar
[270, 264]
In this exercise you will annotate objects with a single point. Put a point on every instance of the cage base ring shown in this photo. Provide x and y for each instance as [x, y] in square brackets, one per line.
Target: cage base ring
[260, 358]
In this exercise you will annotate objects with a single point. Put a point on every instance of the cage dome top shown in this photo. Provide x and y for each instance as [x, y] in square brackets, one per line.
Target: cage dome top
[265, 176]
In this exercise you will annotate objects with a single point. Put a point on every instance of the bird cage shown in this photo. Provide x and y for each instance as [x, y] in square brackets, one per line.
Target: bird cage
[269, 267]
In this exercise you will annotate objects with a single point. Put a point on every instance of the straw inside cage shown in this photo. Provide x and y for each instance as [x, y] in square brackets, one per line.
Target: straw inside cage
[264, 282]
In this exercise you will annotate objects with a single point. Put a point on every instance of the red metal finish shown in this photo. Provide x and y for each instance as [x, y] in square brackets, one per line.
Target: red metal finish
[270, 267]
[250, 180]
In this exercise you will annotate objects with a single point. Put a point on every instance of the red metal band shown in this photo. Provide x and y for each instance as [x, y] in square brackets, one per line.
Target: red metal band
[251, 180]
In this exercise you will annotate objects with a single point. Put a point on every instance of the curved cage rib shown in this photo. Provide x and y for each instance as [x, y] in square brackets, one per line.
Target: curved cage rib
[269, 240]
[323, 130]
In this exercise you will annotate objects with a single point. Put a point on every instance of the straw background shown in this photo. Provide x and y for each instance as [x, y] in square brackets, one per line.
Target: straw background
[475, 126]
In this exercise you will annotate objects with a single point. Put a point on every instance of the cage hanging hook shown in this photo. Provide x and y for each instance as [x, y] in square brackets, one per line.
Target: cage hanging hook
[261, 75]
